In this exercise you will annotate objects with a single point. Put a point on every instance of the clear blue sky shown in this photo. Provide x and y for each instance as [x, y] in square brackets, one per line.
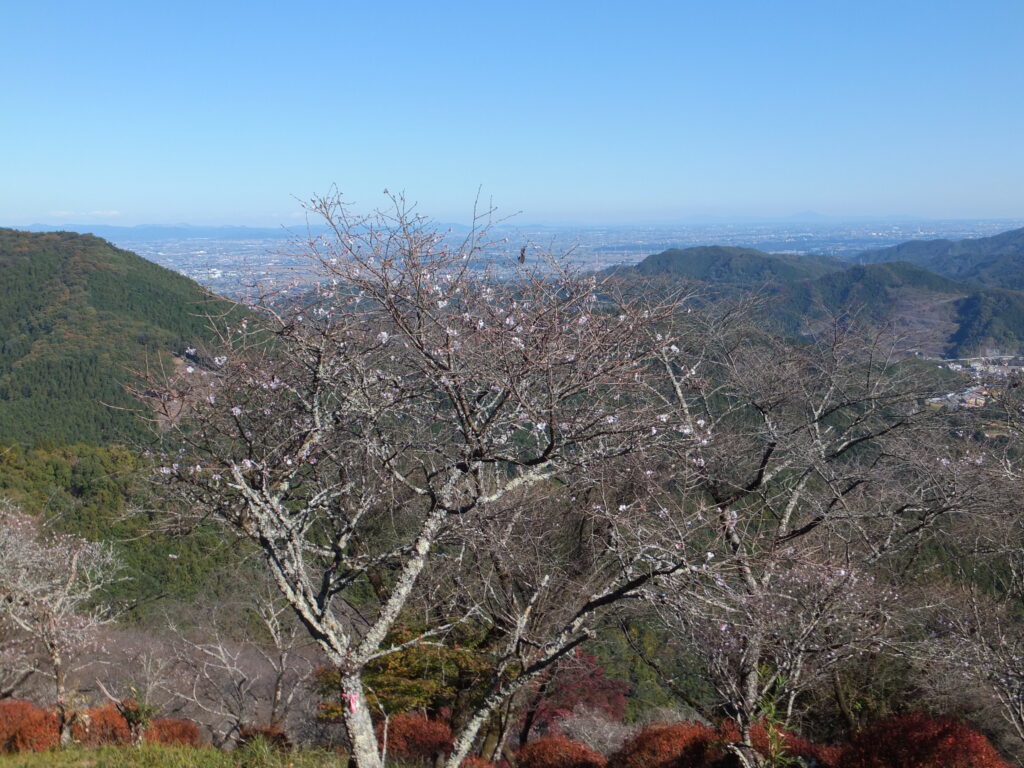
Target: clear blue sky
[224, 112]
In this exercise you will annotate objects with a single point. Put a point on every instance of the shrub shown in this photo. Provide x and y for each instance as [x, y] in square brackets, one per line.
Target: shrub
[557, 752]
[24, 727]
[414, 736]
[101, 727]
[475, 761]
[595, 729]
[919, 741]
[173, 732]
[681, 745]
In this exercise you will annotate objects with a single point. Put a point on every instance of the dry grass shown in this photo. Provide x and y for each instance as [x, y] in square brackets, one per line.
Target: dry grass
[253, 756]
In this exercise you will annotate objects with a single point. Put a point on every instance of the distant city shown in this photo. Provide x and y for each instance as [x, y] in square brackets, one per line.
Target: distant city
[228, 259]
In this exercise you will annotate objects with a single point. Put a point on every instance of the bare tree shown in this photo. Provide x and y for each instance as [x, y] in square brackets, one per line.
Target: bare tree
[49, 586]
[980, 641]
[242, 664]
[975, 637]
[413, 393]
[816, 461]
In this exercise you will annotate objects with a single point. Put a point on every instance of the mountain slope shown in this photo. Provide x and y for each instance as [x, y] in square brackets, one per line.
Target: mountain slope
[874, 288]
[942, 316]
[996, 261]
[76, 316]
[735, 266]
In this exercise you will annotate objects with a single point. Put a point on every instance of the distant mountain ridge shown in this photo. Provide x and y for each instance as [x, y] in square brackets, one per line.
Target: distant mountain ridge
[996, 261]
[965, 303]
[76, 315]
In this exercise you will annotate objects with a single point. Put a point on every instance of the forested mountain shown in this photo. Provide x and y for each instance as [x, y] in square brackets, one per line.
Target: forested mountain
[736, 266]
[76, 316]
[947, 316]
[996, 261]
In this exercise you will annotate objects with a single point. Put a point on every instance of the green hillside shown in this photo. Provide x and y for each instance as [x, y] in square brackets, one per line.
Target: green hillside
[945, 316]
[76, 316]
[874, 289]
[996, 261]
[990, 320]
[735, 266]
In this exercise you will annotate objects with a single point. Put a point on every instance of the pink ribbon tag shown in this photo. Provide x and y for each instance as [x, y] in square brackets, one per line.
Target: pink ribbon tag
[351, 698]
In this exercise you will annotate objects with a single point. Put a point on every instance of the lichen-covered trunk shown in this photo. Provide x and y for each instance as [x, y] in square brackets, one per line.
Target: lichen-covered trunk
[465, 737]
[358, 724]
[65, 715]
[485, 713]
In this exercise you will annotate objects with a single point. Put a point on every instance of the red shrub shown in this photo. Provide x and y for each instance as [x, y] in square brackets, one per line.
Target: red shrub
[557, 752]
[682, 745]
[474, 761]
[271, 734]
[101, 727]
[173, 732]
[24, 727]
[919, 741]
[414, 736]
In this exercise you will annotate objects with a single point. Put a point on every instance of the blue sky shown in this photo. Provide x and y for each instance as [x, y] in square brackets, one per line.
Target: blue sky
[571, 112]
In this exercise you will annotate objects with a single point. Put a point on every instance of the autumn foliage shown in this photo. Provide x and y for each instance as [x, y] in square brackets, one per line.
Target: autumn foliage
[24, 727]
[920, 741]
[694, 745]
[414, 736]
[558, 752]
[681, 745]
[101, 727]
[173, 732]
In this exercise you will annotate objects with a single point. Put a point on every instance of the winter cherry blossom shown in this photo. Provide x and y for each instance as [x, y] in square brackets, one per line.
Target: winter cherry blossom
[444, 436]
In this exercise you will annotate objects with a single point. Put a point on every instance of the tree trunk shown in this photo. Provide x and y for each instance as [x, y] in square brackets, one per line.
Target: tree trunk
[138, 734]
[497, 735]
[746, 756]
[491, 739]
[750, 689]
[844, 704]
[465, 737]
[533, 706]
[278, 694]
[65, 714]
[358, 724]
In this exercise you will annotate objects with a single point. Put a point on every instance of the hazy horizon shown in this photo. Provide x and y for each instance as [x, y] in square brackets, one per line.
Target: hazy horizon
[515, 223]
